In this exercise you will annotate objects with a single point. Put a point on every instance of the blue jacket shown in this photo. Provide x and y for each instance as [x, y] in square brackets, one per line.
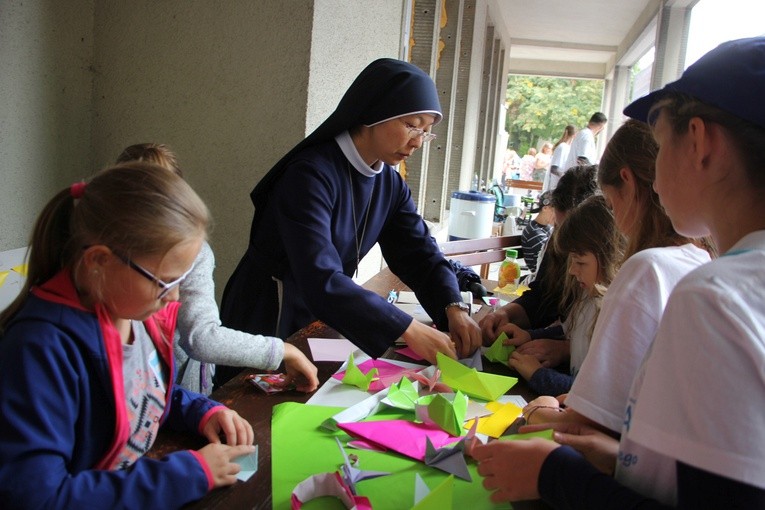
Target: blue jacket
[63, 417]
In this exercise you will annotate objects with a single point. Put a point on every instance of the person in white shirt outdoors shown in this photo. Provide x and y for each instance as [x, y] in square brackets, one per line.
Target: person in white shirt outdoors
[200, 339]
[542, 163]
[537, 232]
[694, 432]
[656, 258]
[559, 156]
[583, 150]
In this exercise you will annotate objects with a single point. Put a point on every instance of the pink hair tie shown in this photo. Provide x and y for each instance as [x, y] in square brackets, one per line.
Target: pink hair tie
[77, 189]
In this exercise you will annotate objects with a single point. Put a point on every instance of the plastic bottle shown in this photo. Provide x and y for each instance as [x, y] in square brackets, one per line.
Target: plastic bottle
[509, 272]
[474, 184]
[509, 227]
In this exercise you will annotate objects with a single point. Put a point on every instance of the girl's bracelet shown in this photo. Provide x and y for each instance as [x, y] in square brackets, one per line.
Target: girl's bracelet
[527, 417]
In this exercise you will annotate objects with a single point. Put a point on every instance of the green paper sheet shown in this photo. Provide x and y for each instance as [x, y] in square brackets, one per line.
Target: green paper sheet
[439, 498]
[498, 351]
[300, 448]
[471, 382]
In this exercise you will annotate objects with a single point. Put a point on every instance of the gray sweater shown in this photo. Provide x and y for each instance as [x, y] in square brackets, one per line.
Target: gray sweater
[201, 341]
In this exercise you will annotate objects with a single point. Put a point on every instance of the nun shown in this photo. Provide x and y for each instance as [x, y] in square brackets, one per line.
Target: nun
[326, 203]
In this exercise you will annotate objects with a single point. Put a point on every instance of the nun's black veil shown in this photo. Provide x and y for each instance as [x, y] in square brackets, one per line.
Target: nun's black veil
[385, 89]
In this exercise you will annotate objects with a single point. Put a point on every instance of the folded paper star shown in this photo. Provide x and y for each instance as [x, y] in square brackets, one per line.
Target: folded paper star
[498, 351]
[470, 381]
[448, 412]
[450, 459]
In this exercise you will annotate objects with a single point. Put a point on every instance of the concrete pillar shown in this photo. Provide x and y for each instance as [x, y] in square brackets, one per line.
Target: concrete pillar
[616, 99]
[671, 41]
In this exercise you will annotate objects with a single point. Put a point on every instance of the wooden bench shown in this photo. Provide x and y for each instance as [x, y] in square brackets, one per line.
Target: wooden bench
[484, 251]
[516, 183]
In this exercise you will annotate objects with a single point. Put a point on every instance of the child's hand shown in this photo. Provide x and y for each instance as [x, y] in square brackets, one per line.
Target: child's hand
[550, 353]
[490, 326]
[218, 457]
[597, 447]
[236, 429]
[299, 368]
[523, 364]
[511, 468]
[516, 335]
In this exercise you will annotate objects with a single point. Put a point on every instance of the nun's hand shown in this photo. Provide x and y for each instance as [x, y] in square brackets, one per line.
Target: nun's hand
[427, 341]
[464, 331]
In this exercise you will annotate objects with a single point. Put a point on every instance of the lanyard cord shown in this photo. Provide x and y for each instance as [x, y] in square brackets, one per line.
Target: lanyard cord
[355, 223]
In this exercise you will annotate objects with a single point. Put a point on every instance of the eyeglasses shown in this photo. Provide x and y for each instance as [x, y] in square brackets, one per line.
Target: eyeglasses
[164, 286]
[415, 132]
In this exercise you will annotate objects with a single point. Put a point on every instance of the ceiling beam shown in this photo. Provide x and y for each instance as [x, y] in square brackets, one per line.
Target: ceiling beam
[557, 68]
[565, 45]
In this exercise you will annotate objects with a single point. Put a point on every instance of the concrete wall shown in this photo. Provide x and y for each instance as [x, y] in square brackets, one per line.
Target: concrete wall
[46, 50]
[223, 83]
[344, 42]
[230, 86]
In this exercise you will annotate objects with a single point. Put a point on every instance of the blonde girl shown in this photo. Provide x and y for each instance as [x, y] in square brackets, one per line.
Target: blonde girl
[86, 367]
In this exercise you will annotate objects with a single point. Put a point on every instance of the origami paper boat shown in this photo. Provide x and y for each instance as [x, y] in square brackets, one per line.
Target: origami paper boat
[472, 382]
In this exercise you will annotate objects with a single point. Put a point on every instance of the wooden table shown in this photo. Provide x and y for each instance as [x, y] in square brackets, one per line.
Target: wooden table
[240, 395]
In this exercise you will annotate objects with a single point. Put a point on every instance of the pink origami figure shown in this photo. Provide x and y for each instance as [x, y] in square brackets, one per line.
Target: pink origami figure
[327, 484]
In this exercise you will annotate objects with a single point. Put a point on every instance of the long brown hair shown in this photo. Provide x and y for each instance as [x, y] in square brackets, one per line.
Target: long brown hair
[568, 134]
[590, 228]
[135, 208]
[633, 147]
[576, 185]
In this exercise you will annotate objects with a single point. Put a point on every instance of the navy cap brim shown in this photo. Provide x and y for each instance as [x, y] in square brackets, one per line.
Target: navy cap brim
[639, 108]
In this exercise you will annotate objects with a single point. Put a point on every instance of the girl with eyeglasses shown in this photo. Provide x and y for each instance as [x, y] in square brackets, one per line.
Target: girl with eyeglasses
[86, 367]
[326, 203]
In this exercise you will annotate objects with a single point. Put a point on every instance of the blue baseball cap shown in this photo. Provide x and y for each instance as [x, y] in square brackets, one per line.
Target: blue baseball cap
[730, 77]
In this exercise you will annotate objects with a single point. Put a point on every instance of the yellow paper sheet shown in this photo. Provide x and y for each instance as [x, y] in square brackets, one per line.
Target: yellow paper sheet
[494, 425]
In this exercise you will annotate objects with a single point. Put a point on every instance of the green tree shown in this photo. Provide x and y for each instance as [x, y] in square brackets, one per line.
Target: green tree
[538, 108]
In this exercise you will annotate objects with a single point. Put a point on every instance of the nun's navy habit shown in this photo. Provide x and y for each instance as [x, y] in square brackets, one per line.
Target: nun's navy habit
[303, 229]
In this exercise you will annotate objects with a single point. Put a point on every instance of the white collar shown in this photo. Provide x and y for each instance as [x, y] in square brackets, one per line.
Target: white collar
[352, 154]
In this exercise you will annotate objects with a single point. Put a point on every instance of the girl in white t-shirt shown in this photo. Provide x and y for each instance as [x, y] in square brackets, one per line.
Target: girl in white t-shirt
[656, 258]
[694, 434]
[594, 246]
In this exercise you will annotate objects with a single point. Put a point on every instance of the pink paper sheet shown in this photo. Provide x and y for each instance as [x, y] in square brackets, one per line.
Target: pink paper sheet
[404, 437]
[409, 353]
